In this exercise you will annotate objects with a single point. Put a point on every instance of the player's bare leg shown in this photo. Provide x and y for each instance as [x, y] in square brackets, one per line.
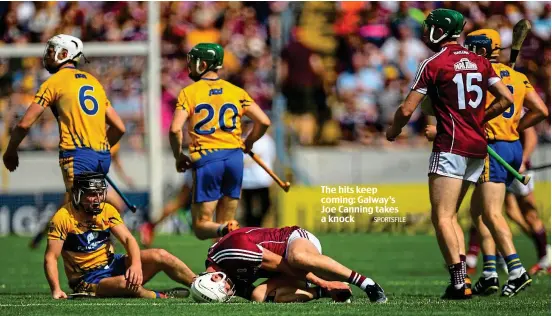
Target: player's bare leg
[528, 208]
[157, 260]
[514, 213]
[493, 197]
[118, 287]
[445, 195]
[302, 254]
[225, 214]
[147, 230]
[291, 291]
[115, 199]
[488, 282]
[202, 220]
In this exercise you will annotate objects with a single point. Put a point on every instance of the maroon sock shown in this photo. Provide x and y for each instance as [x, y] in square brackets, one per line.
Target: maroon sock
[474, 246]
[540, 242]
[360, 280]
[456, 273]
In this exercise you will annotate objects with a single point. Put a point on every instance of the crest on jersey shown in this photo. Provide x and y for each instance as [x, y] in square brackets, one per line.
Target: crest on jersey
[91, 236]
[465, 64]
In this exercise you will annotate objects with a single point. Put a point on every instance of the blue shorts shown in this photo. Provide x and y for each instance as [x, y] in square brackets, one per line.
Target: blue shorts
[89, 282]
[73, 162]
[512, 153]
[218, 174]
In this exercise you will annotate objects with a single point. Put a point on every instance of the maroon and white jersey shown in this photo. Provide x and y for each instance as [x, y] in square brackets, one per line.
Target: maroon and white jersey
[239, 254]
[456, 80]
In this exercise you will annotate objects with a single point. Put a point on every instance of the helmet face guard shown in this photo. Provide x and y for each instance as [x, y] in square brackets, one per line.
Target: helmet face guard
[57, 44]
[205, 290]
[89, 192]
[442, 24]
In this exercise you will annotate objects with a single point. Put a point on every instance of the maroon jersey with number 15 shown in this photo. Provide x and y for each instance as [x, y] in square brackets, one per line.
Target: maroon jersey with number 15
[456, 80]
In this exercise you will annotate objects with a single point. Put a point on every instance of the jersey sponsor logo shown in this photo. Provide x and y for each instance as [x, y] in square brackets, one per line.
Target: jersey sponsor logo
[504, 73]
[215, 92]
[461, 52]
[465, 64]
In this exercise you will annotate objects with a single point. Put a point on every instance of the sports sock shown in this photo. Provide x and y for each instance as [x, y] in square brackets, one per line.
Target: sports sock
[540, 239]
[456, 275]
[473, 245]
[360, 280]
[515, 268]
[489, 266]
[463, 261]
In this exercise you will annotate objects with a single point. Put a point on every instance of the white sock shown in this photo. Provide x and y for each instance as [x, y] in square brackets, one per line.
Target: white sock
[514, 274]
[489, 274]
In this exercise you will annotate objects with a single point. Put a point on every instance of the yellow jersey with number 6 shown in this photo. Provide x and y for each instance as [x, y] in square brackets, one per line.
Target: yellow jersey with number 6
[215, 108]
[78, 101]
[504, 127]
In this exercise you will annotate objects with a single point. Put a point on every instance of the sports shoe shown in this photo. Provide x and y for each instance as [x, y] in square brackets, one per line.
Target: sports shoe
[467, 280]
[452, 293]
[177, 292]
[146, 234]
[376, 294]
[512, 287]
[538, 269]
[486, 287]
[229, 227]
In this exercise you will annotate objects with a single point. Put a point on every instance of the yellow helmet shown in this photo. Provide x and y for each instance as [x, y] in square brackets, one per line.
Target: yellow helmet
[494, 38]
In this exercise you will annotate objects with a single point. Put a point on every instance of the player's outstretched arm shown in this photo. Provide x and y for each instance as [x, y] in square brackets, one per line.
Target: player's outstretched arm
[503, 99]
[11, 159]
[134, 272]
[403, 114]
[22, 128]
[537, 110]
[116, 128]
[53, 250]
[262, 123]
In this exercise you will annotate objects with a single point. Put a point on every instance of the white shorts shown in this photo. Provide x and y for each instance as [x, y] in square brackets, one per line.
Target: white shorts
[456, 166]
[301, 233]
[519, 189]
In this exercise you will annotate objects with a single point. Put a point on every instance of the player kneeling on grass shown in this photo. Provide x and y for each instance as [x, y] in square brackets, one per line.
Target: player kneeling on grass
[80, 232]
[288, 256]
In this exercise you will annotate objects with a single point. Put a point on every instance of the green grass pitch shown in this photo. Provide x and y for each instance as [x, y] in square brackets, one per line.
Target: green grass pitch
[409, 268]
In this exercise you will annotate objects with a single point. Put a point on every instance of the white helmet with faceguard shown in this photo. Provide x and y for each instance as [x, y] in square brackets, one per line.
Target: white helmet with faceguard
[213, 287]
[56, 45]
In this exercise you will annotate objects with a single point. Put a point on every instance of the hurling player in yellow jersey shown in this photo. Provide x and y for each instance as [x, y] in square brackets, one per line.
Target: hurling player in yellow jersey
[502, 136]
[80, 231]
[213, 108]
[80, 105]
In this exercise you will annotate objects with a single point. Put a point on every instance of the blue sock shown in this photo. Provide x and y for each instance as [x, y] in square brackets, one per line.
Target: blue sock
[489, 265]
[157, 294]
[513, 262]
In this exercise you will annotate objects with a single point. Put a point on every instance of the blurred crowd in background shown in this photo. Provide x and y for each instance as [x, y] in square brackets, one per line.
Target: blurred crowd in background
[345, 66]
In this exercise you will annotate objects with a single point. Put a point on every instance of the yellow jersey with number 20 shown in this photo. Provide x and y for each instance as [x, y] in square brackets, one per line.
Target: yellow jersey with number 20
[215, 108]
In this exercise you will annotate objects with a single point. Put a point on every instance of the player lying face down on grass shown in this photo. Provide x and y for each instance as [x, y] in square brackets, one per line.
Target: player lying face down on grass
[456, 81]
[290, 257]
[80, 232]
[214, 109]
